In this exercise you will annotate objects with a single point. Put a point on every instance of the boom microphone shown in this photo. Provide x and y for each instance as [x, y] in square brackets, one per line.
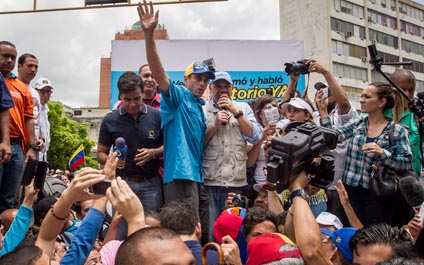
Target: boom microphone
[121, 148]
[412, 191]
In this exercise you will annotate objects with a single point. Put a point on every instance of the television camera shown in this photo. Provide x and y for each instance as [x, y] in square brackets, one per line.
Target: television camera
[296, 151]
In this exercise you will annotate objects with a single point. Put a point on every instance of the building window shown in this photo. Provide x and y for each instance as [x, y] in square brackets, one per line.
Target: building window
[347, 49]
[351, 72]
[416, 66]
[419, 86]
[414, 47]
[412, 29]
[348, 8]
[384, 38]
[411, 11]
[77, 112]
[345, 27]
[382, 19]
[389, 58]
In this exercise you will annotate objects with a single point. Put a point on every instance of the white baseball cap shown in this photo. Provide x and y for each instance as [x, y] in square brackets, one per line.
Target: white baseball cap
[42, 83]
[297, 103]
[326, 218]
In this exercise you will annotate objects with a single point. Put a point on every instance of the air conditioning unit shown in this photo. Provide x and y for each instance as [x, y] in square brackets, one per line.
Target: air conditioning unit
[349, 34]
[370, 19]
[383, 4]
[364, 58]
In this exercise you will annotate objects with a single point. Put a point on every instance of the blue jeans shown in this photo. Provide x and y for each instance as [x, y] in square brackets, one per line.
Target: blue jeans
[217, 197]
[149, 192]
[10, 178]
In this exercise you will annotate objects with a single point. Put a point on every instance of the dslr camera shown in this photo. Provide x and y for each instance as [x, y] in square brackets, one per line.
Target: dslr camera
[299, 67]
[241, 201]
[295, 152]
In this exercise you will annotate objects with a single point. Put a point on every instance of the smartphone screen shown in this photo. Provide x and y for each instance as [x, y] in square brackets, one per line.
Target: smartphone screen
[421, 212]
[325, 92]
[101, 187]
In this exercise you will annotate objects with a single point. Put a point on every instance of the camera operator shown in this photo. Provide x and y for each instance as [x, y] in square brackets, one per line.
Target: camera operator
[299, 110]
[402, 114]
[339, 111]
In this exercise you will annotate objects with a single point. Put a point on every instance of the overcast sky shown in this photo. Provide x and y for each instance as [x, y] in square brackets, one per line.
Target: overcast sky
[69, 44]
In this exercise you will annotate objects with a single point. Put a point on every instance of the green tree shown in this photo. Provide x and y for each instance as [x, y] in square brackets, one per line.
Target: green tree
[66, 136]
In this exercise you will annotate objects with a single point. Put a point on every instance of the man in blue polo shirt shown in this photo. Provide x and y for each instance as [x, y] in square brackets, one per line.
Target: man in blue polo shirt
[139, 125]
[183, 120]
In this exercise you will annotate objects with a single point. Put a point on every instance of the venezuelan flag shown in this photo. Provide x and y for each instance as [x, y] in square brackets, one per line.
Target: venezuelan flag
[77, 158]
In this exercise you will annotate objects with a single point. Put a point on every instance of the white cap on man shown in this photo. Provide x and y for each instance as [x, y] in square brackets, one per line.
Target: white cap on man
[42, 83]
[329, 219]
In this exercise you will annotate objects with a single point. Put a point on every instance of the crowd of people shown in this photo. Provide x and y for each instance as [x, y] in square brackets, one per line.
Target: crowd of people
[180, 170]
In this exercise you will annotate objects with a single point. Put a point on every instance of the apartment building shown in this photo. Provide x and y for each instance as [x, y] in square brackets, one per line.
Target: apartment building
[338, 32]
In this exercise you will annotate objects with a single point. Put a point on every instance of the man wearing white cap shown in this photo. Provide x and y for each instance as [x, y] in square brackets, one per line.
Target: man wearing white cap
[45, 89]
[229, 125]
[329, 221]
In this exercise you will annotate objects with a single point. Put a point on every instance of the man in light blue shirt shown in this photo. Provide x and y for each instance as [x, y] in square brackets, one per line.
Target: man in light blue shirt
[183, 121]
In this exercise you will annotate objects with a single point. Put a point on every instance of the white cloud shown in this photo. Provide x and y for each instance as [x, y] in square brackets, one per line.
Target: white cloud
[69, 44]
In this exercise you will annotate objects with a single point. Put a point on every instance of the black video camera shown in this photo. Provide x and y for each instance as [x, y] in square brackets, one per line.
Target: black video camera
[417, 105]
[299, 67]
[295, 152]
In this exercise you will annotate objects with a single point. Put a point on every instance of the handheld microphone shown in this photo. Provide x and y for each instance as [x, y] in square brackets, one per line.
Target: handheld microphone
[121, 149]
[413, 193]
[223, 123]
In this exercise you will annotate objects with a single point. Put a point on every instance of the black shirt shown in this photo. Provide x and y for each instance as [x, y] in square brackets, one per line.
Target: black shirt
[143, 132]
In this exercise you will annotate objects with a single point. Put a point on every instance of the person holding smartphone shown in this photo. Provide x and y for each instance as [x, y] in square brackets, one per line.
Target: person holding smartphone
[340, 111]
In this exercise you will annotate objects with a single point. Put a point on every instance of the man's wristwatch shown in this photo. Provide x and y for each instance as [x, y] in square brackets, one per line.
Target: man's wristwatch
[32, 146]
[299, 192]
[155, 155]
[238, 115]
